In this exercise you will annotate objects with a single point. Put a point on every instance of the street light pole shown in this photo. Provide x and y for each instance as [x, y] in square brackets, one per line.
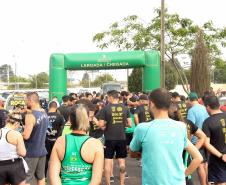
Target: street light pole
[15, 75]
[8, 76]
[162, 43]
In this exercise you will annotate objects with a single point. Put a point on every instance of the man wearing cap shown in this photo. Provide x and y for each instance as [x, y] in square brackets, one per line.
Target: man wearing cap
[197, 114]
[142, 113]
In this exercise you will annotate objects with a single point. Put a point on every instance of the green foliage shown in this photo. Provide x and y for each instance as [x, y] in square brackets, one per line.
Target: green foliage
[40, 80]
[171, 76]
[135, 80]
[219, 73]
[132, 33]
[5, 70]
[187, 73]
[85, 80]
[17, 80]
[100, 79]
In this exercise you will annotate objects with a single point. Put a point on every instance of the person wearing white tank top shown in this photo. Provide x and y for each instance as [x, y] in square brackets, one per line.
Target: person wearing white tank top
[12, 149]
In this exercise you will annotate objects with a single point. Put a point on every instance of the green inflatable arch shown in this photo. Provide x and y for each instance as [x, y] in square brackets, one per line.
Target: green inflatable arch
[60, 63]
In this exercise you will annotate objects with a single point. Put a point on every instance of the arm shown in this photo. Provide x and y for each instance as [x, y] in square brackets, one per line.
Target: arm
[55, 166]
[135, 145]
[129, 122]
[201, 138]
[98, 164]
[206, 128]
[196, 158]
[213, 150]
[15, 138]
[29, 125]
[136, 119]
[21, 150]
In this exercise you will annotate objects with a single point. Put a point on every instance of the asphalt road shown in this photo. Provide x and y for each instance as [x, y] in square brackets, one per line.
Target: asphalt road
[134, 173]
[133, 170]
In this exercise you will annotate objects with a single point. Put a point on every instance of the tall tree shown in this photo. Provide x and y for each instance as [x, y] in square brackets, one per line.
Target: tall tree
[40, 80]
[5, 72]
[85, 80]
[200, 73]
[18, 81]
[100, 79]
[219, 72]
[132, 33]
[135, 80]
[171, 76]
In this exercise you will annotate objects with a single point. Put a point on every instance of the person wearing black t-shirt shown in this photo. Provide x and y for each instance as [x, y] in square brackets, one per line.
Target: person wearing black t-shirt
[55, 128]
[215, 130]
[3, 114]
[65, 108]
[94, 130]
[181, 105]
[114, 117]
[142, 113]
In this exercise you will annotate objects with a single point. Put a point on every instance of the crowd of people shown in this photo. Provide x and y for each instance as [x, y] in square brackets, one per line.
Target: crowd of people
[75, 141]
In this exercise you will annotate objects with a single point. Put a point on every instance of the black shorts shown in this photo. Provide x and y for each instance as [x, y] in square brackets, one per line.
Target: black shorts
[204, 154]
[12, 172]
[189, 181]
[129, 137]
[112, 147]
[216, 170]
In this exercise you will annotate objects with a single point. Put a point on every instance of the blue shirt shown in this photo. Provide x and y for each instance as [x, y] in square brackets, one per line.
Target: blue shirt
[162, 142]
[197, 114]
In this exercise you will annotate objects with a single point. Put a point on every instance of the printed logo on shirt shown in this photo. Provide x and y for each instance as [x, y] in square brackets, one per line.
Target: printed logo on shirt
[222, 121]
[117, 115]
[73, 156]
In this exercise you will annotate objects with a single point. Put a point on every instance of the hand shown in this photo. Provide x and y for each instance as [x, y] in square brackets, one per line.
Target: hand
[224, 158]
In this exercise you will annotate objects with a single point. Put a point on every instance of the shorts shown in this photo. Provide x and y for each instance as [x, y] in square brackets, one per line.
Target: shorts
[12, 172]
[189, 181]
[204, 154]
[112, 147]
[129, 137]
[102, 140]
[216, 170]
[49, 146]
[36, 168]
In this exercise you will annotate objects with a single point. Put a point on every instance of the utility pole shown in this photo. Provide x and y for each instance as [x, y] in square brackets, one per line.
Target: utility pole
[8, 76]
[15, 76]
[36, 82]
[162, 43]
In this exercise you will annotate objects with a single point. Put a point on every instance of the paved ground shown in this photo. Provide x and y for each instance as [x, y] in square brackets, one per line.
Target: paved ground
[134, 172]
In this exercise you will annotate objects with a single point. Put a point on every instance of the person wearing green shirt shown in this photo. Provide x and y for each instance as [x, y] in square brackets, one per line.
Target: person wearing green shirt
[76, 158]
